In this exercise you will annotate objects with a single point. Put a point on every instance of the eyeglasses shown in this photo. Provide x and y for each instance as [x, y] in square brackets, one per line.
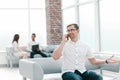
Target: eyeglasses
[71, 30]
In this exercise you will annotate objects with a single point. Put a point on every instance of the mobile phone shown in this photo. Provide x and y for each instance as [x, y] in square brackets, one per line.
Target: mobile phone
[67, 37]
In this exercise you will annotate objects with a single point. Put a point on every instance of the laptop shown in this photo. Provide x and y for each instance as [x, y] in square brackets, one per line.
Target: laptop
[35, 47]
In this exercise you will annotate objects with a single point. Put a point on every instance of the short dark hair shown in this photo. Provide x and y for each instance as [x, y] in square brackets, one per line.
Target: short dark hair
[34, 34]
[75, 25]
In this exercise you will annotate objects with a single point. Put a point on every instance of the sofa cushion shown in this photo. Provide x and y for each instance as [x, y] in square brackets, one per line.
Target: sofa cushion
[54, 76]
[89, 66]
[50, 48]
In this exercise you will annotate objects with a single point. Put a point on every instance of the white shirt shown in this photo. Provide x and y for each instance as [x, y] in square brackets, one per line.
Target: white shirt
[74, 56]
[31, 44]
[17, 50]
[15, 46]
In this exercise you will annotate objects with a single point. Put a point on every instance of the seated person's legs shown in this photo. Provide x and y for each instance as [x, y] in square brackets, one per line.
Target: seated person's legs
[89, 75]
[71, 76]
[32, 54]
[39, 52]
[42, 54]
[22, 55]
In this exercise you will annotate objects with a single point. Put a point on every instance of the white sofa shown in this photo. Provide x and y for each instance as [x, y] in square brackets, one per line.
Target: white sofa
[11, 59]
[35, 69]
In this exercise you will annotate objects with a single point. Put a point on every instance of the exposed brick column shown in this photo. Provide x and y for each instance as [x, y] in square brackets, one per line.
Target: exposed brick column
[54, 21]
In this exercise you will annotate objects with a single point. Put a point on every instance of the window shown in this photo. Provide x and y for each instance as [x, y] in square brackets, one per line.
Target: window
[84, 1]
[22, 17]
[37, 4]
[38, 25]
[110, 25]
[13, 4]
[99, 22]
[78, 13]
[87, 28]
[68, 17]
[67, 3]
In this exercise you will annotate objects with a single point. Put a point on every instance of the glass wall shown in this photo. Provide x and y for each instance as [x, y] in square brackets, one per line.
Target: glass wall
[110, 25]
[68, 17]
[83, 14]
[84, 1]
[12, 22]
[38, 25]
[67, 3]
[22, 17]
[87, 27]
[99, 22]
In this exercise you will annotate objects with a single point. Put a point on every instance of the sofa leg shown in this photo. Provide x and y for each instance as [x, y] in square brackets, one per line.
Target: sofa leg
[8, 63]
[24, 78]
[11, 64]
[101, 71]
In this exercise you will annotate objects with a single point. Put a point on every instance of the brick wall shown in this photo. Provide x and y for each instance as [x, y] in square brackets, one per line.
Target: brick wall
[53, 21]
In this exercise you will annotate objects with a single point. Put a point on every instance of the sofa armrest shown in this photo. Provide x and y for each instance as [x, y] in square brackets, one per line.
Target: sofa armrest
[30, 69]
[115, 67]
[49, 65]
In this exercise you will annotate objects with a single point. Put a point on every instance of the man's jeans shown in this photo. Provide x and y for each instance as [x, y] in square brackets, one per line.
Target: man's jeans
[87, 75]
[39, 52]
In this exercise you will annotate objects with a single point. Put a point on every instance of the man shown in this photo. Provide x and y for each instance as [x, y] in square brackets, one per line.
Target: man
[75, 53]
[37, 51]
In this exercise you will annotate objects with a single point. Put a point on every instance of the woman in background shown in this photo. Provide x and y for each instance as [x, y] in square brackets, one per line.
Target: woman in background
[18, 51]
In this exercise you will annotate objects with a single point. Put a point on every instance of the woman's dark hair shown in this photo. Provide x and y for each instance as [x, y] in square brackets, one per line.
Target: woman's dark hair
[75, 25]
[16, 38]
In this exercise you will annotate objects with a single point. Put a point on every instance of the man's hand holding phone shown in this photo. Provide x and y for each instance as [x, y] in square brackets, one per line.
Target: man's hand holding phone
[65, 37]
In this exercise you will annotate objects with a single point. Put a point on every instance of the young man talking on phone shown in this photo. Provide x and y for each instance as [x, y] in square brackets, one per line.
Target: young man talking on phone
[75, 53]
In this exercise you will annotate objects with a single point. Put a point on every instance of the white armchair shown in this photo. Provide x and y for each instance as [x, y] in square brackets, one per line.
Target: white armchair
[11, 59]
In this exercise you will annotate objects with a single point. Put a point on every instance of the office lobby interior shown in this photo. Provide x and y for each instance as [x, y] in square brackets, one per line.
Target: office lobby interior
[99, 25]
